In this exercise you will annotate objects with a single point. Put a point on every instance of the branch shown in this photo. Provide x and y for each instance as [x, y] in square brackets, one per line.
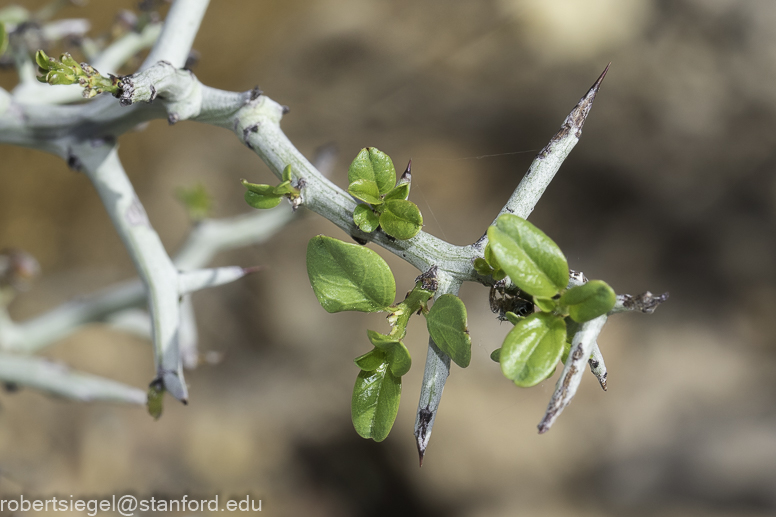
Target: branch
[598, 366]
[180, 29]
[435, 375]
[57, 379]
[154, 266]
[581, 348]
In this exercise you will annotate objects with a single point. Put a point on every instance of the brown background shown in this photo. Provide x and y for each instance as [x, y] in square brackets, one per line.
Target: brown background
[672, 188]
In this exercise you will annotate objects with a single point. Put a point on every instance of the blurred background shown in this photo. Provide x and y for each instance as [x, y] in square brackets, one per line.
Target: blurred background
[671, 188]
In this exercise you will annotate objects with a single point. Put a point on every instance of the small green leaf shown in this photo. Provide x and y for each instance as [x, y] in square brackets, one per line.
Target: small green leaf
[402, 192]
[196, 200]
[546, 304]
[396, 353]
[155, 398]
[263, 201]
[530, 258]
[496, 355]
[490, 258]
[348, 277]
[588, 301]
[375, 402]
[512, 318]
[374, 166]
[42, 60]
[365, 190]
[371, 360]
[401, 219]
[3, 38]
[482, 267]
[287, 173]
[566, 349]
[532, 349]
[365, 218]
[446, 323]
[284, 189]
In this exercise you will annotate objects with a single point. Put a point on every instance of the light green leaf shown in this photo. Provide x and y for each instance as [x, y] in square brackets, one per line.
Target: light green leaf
[402, 192]
[588, 301]
[42, 60]
[365, 218]
[348, 277]
[401, 219]
[446, 323]
[495, 355]
[545, 304]
[285, 188]
[512, 318]
[3, 38]
[261, 196]
[396, 353]
[287, 173]
[155, 399]
[365, 190]
[371, 360]
[375, 402]
[482, 267]
[532, 349]
[375, 166]
[530, 258]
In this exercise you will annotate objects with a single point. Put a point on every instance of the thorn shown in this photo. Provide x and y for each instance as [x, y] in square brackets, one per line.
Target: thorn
[286, 110]
[185, 402]
[256, 93]
[252, 269]
[407, 173]
[421, 454]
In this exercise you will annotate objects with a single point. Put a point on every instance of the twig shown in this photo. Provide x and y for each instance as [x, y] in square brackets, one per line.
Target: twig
[567, 385]
[598, 366]
[57, 379]
[180, 29]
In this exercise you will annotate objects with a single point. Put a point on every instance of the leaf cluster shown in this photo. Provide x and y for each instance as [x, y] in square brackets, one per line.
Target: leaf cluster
[372, 179]
[266, 196]
[348, 277]
[66, 70]
[537, 266]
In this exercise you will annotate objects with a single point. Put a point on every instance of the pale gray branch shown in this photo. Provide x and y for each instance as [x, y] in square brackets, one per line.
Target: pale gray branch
[177, 37]
[581, 348]
[57, 379]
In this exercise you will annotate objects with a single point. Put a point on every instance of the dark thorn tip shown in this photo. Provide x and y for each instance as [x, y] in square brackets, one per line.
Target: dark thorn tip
[252, 269]
[600, 79]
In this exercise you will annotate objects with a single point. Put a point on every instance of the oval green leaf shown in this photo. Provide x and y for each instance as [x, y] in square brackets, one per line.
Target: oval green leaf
[446, 323]
[546, 304]
[365, 190]
[286, 173]
[371, 360]
[348, 277]
[375, 166]
[530, 258]
[482, 267]
[401, 219]
[532, 349]
[375, 402]
[495, 355]
[396, 353]
[365, 218]
[588, 301]
[262, 201]
[401, 191]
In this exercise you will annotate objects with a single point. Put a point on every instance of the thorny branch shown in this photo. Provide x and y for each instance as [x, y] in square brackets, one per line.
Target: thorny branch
[84, 135]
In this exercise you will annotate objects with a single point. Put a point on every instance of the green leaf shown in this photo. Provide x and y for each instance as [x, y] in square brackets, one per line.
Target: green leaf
[3, 38]
[401, 191]
[588, 301]
[348, 277]
[482, 267]
[287, 173]
[365, 218]
[401, 219]
[196, 200]
[512, 318]
[566, 349]
[365, 190]
[396, 353]
[495, 355]
[375, 402]
[371, 360]
[532, 349]
[155, 398]
[446, 323]
[375, 166]
[42, 60]
[263, 201]
[285, 188]
[546, 304]
[530, 258]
